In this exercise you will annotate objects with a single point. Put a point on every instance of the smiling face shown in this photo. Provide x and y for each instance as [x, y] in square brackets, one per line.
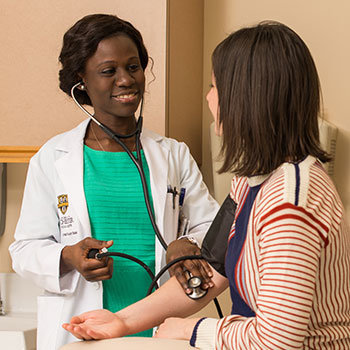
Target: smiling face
[114, 78]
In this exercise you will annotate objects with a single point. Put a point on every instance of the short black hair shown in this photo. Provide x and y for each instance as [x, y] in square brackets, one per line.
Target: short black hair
[80, 43]
[269, 99]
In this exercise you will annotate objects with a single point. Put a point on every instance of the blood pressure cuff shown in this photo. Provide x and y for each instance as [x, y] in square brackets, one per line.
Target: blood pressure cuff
[215, 242]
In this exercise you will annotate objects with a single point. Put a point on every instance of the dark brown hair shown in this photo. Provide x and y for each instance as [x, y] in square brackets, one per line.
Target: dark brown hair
[269, 99]
[80, 43]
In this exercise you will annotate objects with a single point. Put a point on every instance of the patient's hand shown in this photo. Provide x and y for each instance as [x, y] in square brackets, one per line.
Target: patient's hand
[97, 324]
[176, 328]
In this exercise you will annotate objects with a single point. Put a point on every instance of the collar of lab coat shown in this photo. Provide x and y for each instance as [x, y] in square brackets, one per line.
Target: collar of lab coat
[70, 168]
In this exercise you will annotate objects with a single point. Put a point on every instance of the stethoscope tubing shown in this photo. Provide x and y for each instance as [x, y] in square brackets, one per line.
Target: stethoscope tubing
[100, 256]
[154, 278]
[137, 161]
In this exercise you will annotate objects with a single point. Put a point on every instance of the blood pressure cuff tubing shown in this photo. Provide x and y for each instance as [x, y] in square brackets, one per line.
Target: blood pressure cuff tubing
[215, 242]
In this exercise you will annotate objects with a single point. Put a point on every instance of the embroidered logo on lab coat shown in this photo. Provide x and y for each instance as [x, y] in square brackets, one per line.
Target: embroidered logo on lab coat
[63, 203]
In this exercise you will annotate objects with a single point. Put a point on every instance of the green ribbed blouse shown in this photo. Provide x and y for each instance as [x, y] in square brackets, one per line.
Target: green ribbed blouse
[118, 212]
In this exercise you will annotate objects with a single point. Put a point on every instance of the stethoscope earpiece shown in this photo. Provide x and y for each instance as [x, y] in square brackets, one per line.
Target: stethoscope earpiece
[81, 87]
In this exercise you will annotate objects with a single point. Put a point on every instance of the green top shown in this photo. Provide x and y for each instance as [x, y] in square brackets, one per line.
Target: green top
[118, 212]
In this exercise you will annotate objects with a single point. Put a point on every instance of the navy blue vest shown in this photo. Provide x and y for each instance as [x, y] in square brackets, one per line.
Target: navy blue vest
[234, 250]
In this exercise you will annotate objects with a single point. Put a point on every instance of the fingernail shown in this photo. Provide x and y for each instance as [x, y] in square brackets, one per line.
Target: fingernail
[188, 291]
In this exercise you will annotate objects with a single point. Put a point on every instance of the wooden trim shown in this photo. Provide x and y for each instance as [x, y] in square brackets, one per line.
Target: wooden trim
[17, 154]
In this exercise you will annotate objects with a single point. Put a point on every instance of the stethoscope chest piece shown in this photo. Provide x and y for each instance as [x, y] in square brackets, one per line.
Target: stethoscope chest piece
[194, 283]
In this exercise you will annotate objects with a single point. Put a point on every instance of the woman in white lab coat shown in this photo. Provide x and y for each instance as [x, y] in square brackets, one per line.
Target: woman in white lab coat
[61, 216]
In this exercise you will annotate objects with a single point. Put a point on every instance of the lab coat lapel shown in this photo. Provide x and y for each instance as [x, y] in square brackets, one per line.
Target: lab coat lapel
[157, 160]
[70, 169]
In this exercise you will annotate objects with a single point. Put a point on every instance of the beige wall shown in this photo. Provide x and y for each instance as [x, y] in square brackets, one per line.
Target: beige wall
[185, 72]
[31, 36]
[325, 27]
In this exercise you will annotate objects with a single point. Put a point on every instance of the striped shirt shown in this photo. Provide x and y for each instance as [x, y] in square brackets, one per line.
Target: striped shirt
[293, 270]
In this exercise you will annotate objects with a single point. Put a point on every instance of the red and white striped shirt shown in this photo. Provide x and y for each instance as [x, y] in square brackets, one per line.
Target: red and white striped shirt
[296, 266]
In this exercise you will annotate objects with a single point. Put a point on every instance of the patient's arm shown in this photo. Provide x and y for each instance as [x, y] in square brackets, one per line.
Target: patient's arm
[168, 301]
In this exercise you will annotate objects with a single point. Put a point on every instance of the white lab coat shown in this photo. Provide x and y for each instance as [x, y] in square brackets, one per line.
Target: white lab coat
[44, 229]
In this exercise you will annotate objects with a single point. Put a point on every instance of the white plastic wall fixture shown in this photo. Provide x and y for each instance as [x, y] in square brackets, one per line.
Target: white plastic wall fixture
[328, 140]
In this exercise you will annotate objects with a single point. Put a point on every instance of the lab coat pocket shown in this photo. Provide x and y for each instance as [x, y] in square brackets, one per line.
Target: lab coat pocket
[171, 217]
[49, 319]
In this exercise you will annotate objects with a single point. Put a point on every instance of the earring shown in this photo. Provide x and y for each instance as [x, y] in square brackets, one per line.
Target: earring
[82, 86]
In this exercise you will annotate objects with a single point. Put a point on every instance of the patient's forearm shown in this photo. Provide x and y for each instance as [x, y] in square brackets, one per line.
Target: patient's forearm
[168, 301]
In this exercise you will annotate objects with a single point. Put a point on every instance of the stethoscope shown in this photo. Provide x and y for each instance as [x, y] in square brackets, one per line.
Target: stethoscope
[194, 282]
[137, 161]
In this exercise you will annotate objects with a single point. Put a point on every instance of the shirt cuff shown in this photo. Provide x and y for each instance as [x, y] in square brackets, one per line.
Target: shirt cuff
[205, 333]
[191, 239]
[194, 332]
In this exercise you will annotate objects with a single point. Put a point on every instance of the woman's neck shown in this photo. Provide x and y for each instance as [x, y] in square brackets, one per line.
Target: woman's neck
[97, 139]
